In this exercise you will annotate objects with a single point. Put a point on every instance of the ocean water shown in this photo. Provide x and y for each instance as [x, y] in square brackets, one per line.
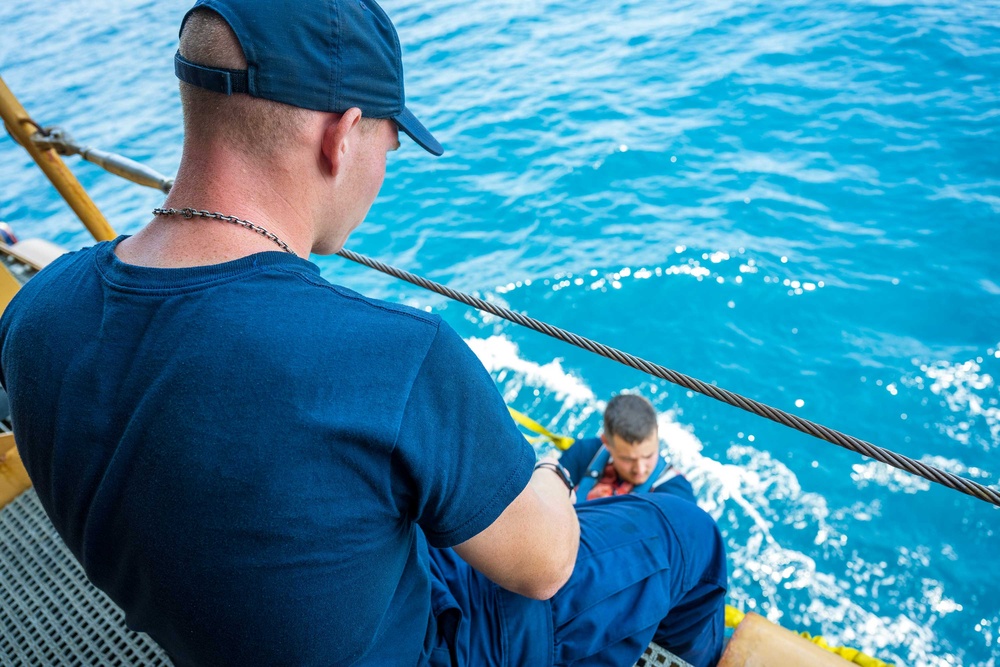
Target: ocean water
[797, 201]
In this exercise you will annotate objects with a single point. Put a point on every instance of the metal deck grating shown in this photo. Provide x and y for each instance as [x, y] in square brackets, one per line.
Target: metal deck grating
[655, 656]
[49, 613]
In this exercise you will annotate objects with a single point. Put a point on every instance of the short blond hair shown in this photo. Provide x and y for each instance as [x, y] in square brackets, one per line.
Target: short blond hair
[256, 127]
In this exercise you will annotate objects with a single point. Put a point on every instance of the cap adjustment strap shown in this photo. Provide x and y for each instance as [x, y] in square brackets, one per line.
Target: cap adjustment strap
[225, 81]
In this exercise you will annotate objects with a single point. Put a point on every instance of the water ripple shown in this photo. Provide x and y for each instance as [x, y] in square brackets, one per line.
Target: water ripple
[796, 200]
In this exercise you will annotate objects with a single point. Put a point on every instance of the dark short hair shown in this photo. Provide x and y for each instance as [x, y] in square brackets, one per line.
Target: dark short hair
[630, 417]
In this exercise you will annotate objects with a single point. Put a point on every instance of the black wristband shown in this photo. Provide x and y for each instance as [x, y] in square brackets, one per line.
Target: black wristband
[559, 470]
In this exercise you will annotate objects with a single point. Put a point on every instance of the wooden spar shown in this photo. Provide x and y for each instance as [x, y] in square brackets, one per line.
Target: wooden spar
[21, 127]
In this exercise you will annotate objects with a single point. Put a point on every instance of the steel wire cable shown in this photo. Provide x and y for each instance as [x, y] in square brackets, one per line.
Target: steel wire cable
[928, 472]
[905, 463]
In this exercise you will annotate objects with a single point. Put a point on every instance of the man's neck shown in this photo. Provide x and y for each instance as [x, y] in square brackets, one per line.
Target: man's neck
[227, 187]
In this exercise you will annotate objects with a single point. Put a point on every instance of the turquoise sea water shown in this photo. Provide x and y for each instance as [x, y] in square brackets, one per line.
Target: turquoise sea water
[797, 201]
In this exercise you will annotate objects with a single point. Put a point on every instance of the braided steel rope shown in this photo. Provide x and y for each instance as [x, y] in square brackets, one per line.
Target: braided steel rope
[899, 461]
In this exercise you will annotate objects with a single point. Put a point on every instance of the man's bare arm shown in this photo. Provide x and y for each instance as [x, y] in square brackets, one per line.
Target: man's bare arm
[531, 548]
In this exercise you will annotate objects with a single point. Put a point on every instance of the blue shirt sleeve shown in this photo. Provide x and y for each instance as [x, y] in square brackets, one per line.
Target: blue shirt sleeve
[459, 458]
[577, 458]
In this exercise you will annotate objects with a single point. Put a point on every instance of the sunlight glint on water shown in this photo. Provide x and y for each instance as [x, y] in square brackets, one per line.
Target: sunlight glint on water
[799, 202]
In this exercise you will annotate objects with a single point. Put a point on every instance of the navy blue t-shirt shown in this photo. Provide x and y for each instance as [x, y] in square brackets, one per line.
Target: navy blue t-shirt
[240, 455]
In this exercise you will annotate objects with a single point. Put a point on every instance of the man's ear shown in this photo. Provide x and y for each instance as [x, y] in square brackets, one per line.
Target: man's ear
[604, 440]
[339, 137]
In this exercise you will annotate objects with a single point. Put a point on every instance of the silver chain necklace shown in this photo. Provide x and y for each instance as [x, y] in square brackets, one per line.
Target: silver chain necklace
[192, 213]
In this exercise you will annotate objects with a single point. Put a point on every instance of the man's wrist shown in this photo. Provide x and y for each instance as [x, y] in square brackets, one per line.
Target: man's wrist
[559, 470]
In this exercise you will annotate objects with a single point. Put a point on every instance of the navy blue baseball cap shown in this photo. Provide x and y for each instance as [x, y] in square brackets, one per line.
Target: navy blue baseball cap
[324, 55]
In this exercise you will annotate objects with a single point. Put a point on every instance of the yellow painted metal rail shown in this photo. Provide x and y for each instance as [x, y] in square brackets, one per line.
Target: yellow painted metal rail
[23, 128]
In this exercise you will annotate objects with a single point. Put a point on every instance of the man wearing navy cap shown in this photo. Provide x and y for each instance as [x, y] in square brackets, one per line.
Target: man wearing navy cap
[263, 468]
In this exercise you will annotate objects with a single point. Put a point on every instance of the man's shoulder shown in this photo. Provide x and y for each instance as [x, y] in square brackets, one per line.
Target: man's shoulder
[376, 307]
[366, 326]
[588, 445]
[68, 262]
[44, 286]
[577, 458]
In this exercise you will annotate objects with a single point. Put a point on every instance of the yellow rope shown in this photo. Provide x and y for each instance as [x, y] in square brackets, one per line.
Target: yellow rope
[734, 616]
[560, 441]
[847, 653]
